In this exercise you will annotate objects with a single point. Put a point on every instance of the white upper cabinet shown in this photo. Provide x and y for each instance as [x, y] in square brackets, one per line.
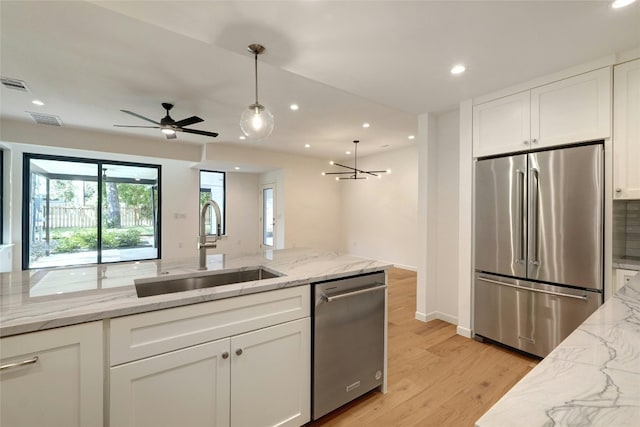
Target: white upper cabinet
[626, 130]
[572, 110]
[502, 126]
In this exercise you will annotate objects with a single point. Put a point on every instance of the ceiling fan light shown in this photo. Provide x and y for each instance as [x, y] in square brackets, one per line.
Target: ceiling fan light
[168, 131]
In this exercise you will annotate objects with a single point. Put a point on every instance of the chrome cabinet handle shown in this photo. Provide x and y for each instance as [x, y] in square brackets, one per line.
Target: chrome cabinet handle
[225, 355]
[541, 291]
[354, 293]
[239, 351]
[17, 364]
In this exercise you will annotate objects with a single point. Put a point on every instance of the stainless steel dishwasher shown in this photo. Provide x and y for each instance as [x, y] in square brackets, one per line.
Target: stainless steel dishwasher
[348, 340]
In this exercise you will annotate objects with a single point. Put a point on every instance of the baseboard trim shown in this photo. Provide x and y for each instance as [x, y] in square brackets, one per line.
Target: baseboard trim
[465, 332]
[436, 315]
[406, 267]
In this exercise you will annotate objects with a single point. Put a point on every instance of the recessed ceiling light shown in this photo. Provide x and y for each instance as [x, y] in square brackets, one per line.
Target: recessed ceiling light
[243, 137]
[237, 168]
[365, 125]
[411, 137]
[617, 4]
[294, 107]
[347, 152]
[458, 69]
[37, 102]
[307, 145]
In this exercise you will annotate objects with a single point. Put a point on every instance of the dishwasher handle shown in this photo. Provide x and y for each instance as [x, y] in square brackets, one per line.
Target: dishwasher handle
[353, 293]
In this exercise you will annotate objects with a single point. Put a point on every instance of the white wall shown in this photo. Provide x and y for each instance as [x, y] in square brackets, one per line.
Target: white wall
[309, 201]
[437, 293]
[379, 215]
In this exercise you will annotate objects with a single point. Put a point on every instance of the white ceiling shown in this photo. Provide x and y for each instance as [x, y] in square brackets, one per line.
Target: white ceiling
[343, 62]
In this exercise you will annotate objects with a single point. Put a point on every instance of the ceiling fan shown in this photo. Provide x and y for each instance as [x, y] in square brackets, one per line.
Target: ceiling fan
[168, 126]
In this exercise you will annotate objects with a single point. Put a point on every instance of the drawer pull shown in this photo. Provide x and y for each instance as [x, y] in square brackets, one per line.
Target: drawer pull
[239, 351]
[17, 364]
[225, 355]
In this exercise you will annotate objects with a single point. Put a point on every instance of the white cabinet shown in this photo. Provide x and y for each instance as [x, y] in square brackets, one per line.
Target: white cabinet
[622, 278]
[242, 361]
[626, 130]
[53, 377]
[502, 125]
[572, 110]
[270, 378]
[188, 387]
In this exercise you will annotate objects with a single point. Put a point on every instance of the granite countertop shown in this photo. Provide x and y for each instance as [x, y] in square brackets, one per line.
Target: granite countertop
[591, 379]
[42, 299]
[627, 263]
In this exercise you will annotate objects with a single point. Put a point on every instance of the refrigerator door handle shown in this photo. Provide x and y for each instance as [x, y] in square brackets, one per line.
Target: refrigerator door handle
[535, 184]
[540, 291]
[520, 179]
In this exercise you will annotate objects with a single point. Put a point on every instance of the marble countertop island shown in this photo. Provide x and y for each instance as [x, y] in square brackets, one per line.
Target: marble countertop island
[34, 300]
[591, 379]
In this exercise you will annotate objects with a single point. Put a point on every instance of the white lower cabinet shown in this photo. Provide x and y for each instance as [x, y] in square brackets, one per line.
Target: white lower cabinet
[188, 387]
[623, 277]
[271, 377]
[53, 378]
[256, 375]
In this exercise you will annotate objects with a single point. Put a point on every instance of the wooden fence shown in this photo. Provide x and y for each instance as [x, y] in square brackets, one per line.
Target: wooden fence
[81, 217]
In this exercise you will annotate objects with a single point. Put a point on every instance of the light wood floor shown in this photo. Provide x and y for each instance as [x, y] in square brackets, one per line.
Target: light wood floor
[436, 377]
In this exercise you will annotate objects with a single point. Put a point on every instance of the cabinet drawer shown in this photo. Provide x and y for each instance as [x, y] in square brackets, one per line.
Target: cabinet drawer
[147, 334]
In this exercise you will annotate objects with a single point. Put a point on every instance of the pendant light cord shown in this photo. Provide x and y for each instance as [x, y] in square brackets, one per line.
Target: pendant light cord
[255, 56]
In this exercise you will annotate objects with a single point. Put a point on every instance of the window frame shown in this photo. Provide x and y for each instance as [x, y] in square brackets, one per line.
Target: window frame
[223, 208]
[26, 202]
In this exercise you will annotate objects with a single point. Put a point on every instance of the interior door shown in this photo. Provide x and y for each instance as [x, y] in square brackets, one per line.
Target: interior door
[500, 215]
[565, 216]
[268, 216]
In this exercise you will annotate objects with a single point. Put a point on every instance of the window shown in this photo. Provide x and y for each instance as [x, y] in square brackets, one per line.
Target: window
[213, 187]
[84, 211]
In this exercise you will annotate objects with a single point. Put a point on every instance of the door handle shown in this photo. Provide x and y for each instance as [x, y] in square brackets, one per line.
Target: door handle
[520, 216]
[540, 291]
[354, 293]
[17, 364]
[535, 217]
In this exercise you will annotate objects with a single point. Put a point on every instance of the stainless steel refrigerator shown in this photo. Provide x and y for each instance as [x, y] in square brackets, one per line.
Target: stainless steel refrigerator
[538, 245]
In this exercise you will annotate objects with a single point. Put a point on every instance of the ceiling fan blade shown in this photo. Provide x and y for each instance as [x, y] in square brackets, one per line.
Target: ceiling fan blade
[140, 117]
[198, 132]
[145, 127]
[171, 135]
[188, 121]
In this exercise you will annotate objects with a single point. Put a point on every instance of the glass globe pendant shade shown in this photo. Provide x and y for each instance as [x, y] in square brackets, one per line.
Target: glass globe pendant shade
[256, 122]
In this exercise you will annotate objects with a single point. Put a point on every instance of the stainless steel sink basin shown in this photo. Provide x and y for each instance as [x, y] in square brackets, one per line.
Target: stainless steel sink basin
[160, 287]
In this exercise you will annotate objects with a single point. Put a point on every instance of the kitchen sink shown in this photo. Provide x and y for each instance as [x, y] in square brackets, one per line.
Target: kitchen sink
[159, 287]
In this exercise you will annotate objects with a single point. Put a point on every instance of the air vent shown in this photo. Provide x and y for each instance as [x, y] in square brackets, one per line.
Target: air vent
[45, 119]
[14, 84]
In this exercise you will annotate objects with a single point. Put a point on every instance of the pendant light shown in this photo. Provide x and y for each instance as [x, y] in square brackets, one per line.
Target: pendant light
[256, 121]
[352, 171]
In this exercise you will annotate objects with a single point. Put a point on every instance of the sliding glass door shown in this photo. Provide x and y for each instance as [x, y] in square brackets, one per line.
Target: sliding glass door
[84, 211]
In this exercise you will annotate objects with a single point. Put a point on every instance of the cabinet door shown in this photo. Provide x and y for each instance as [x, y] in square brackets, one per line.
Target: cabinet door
[572, 110]
[270, 371]
[502, 125]
[52, 378]
[188, 387]
[626, 130]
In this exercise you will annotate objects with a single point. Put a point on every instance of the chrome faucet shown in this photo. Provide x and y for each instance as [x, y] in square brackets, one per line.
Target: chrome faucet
[203, 242]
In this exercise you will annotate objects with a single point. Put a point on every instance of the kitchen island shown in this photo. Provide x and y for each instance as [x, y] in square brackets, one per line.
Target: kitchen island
[591, 379]
[35, 300]
[194, 357]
